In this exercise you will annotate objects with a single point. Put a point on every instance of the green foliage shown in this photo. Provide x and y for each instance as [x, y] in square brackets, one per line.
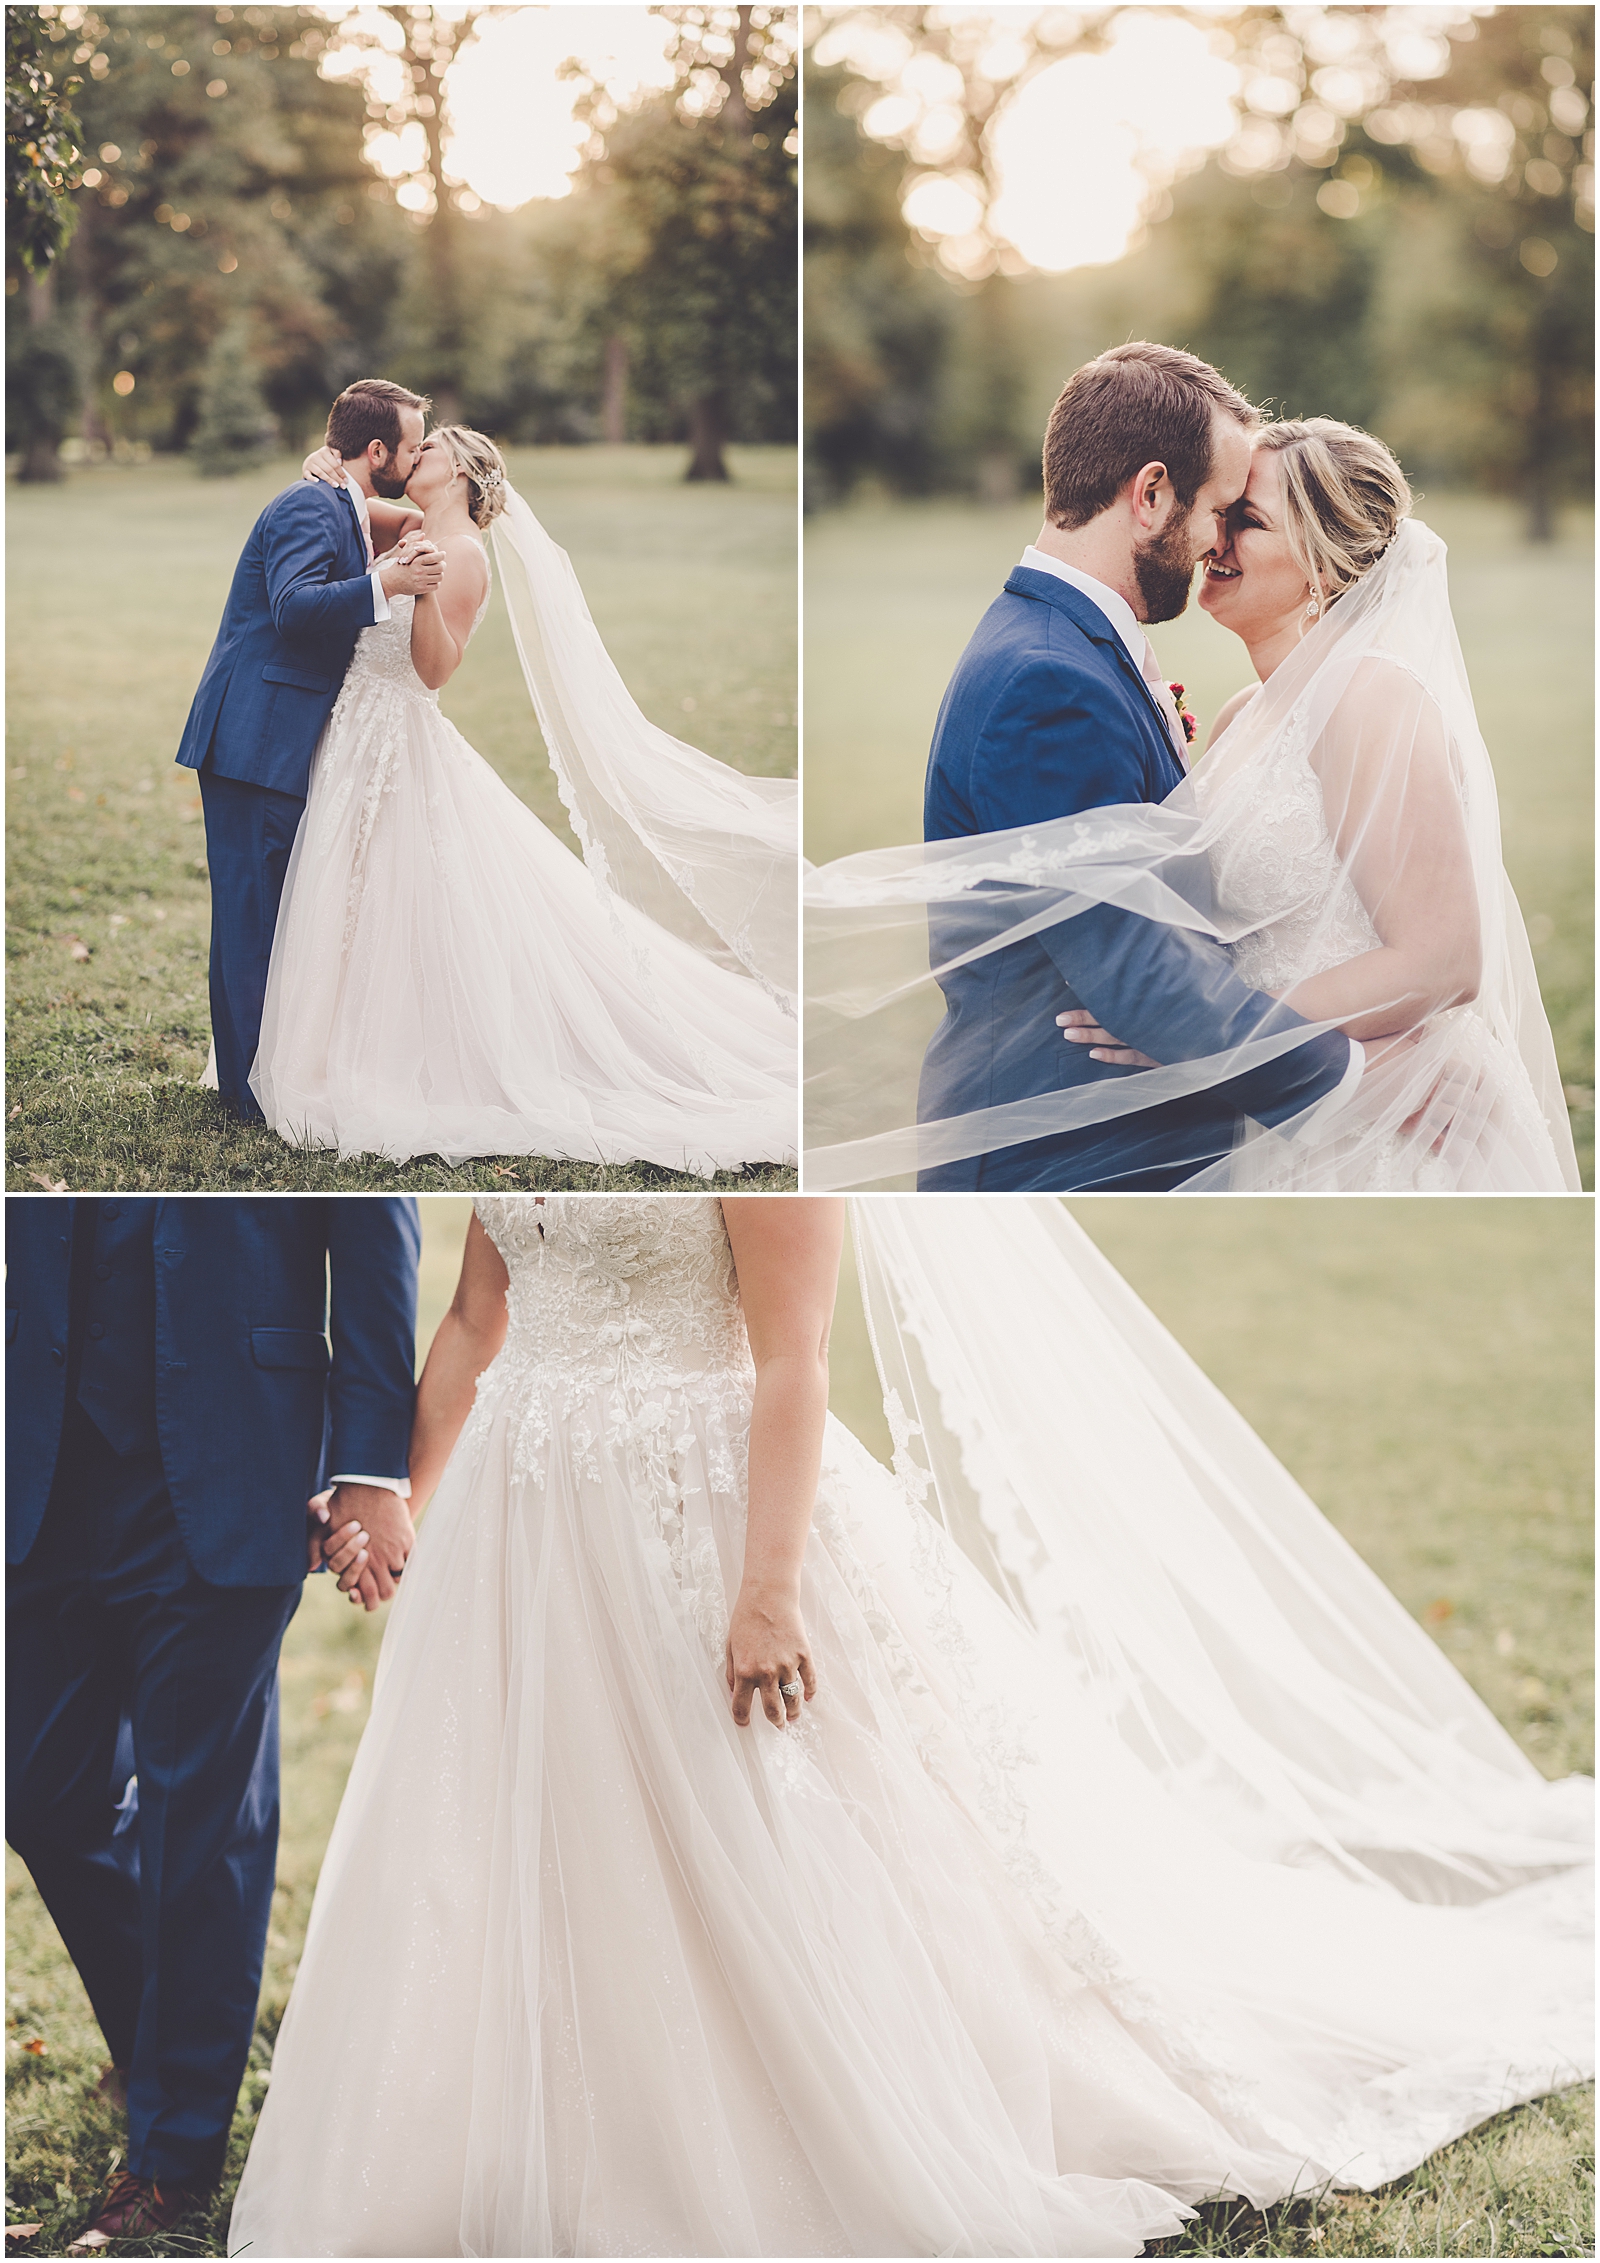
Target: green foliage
[112, 616]
[229, 189]
[44, 377]
[1378, 278]
[234, 429]
[702, 261]
[42, 144]
[224, 181]
[879, 326]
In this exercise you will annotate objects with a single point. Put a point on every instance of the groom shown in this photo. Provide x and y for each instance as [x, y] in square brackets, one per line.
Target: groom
[305, 587]
[172, 1405]
[1056, 706]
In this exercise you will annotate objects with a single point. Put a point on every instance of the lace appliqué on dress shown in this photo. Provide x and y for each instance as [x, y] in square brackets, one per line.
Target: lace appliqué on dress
[1278, 866]
[623, 1315]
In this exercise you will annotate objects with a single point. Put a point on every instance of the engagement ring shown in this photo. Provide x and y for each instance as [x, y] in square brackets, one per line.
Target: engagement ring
[790, 1689]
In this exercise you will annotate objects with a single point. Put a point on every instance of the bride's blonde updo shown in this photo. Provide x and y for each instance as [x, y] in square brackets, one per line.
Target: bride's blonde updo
[482, 466]
[1344, 498]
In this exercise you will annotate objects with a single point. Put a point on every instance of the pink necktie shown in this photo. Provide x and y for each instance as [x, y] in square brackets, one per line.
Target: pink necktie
[1165, 701]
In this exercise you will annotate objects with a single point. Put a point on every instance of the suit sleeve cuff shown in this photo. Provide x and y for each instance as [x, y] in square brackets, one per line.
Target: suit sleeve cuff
[400, 1485]
[380, 601]
[1315, 1126]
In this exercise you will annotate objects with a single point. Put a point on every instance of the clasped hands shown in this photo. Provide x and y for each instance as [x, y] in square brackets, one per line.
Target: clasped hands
[363, 1534]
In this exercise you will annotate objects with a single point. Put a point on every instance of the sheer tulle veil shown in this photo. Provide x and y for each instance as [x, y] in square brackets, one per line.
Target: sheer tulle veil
[1221, 1629]
[1375, 708]
[704, 851]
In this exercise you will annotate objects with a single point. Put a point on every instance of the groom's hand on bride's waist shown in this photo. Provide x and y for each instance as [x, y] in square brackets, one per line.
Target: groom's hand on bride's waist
[1079, 1027]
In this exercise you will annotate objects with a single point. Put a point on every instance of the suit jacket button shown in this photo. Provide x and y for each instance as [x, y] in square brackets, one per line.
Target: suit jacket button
[97, 1329]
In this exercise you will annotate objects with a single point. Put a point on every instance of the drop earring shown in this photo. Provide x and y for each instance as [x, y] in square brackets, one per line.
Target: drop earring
[1314, 608]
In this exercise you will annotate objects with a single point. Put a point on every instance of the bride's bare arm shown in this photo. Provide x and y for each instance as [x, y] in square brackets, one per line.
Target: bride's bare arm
[467, 1338]
[387, 520]
[786, 1248]
[441, 621]
[1393, 807]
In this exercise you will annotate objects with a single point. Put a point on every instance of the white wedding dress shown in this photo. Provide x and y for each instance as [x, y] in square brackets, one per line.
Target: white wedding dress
[977, 1959]
[447, 979]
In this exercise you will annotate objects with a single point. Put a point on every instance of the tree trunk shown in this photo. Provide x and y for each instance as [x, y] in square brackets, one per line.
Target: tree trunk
[732, 73]
[41, 459]
[614, 412]
[707, 429]
[444, 36]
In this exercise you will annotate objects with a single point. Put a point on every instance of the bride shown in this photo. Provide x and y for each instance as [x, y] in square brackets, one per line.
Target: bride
[1341, 839]
[446, 979]
[1008, 1866]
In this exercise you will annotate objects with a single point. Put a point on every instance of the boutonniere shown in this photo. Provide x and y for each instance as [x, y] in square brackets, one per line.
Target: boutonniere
[1184, 717]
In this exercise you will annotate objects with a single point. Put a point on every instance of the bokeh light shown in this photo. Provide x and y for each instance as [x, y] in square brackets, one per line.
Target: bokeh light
[511, 133]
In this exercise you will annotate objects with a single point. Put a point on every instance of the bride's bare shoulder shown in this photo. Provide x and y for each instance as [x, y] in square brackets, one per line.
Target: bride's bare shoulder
[1228, 710]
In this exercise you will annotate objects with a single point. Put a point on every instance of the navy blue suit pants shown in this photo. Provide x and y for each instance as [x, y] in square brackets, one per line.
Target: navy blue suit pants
[250, 831]
[117, 1651]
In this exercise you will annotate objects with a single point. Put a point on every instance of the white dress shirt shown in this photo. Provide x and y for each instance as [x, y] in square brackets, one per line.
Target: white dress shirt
[400, 1485]
[1120, 614]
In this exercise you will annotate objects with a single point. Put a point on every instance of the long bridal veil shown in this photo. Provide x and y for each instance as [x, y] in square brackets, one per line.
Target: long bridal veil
[1227, 1638]
[704, 851]
[1352, 789]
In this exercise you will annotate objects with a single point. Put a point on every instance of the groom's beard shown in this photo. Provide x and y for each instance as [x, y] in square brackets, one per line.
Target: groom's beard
[1164, 570]
[391, 487]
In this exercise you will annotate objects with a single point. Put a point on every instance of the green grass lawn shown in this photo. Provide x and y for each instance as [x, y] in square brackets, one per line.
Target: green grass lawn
[1424, 1368]
[894, 590]
[116, 584]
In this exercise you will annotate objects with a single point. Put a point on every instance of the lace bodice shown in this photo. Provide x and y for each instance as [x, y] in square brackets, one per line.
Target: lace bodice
[383, 652]
[1279, 855]
[620, 1289]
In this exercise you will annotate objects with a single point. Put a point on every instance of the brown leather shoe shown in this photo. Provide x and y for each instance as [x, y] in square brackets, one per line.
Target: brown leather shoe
[136, 2208]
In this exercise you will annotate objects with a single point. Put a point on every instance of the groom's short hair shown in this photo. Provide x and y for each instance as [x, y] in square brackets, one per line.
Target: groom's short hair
[1137, 404]
[370, 410]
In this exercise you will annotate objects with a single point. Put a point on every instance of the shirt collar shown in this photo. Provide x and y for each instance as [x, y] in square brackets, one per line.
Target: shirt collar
[1116, 608]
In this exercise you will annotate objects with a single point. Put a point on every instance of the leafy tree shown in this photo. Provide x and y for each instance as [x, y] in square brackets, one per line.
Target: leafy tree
[235, 428]
[42, 144]
[879, 325]
[44, 374]
[228, 180]
[699, 189]
[1399, 232]
[404, 54]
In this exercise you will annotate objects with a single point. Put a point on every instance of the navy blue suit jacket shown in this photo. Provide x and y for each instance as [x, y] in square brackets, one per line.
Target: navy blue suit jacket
[1047, 715]
[251, 1411]
[301, 595]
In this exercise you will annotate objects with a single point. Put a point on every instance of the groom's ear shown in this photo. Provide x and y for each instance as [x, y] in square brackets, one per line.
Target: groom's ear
[1150, 495]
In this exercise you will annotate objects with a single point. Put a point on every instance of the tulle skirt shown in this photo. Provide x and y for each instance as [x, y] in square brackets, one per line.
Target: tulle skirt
[938, 1971]
[448, 980]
